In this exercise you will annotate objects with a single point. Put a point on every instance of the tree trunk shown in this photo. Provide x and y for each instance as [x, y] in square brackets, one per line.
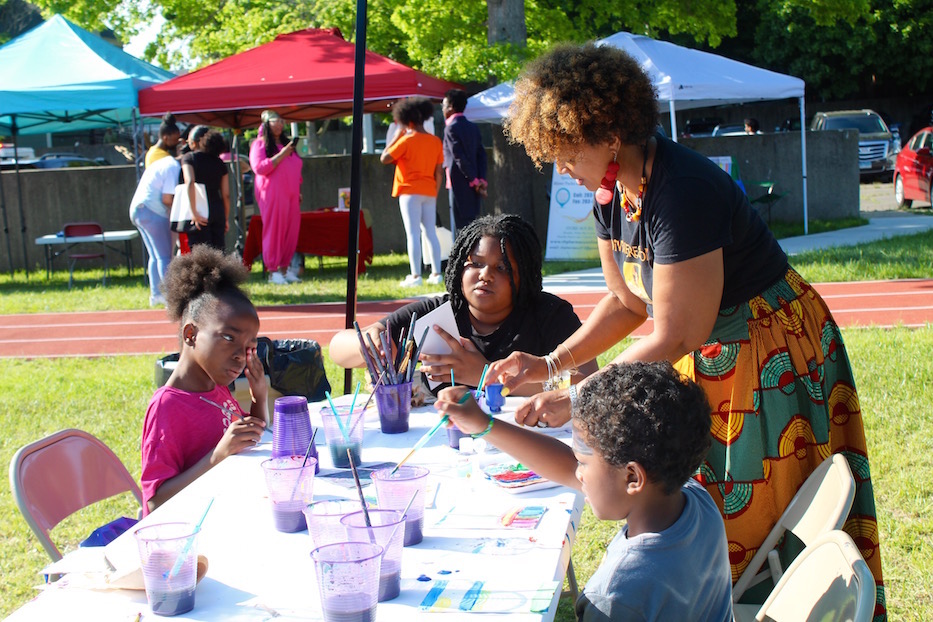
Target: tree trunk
[517, 187]
[506, 22]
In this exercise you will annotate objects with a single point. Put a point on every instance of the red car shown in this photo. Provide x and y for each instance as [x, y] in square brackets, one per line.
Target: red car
[914, 170]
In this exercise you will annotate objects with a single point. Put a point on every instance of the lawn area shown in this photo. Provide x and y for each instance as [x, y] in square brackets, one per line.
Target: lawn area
[107, 397]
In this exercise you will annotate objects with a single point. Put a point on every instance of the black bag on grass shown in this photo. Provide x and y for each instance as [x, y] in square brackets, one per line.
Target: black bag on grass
[295, 367]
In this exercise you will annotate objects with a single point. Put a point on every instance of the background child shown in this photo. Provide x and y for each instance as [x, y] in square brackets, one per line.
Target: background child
[493, 282]
[184, 434]
[639, 431]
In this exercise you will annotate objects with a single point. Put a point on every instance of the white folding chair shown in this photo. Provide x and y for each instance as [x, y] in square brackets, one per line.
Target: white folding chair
[821, 505]
[829, 580]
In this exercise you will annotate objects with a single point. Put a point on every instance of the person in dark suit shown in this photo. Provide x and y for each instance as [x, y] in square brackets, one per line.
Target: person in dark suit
[464, 160]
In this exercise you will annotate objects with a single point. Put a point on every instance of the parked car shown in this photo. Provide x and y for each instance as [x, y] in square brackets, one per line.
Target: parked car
[729, 130]
[65, 160]
[877, 145]
[913, 173]
[7, 159]
[700, 126]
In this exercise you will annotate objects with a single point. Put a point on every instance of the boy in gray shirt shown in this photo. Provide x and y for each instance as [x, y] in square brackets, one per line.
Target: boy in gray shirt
[639, 431]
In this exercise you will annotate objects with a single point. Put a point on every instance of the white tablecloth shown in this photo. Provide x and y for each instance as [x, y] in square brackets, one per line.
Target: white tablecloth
[257, 573]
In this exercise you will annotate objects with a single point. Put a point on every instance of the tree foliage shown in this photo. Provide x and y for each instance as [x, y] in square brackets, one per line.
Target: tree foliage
[839, 47]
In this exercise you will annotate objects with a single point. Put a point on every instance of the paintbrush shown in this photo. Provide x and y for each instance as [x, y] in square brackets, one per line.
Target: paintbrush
[365, 351]
[359, 488]
[430, 433]
[180, 560]
[230, 413]
[304, 463]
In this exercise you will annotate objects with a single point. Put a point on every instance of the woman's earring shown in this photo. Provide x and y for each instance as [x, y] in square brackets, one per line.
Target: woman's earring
[606, 190]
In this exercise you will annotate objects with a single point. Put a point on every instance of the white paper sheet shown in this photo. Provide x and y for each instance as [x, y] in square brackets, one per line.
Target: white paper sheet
[442, 316]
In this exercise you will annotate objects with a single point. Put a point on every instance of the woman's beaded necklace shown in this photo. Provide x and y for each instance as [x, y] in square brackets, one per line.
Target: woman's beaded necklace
[632, 209]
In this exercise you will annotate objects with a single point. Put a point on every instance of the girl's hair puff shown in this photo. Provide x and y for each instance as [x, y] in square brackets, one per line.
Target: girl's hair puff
[196, 282]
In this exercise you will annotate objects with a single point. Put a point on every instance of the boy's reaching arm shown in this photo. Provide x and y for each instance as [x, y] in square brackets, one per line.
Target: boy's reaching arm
[546, 456]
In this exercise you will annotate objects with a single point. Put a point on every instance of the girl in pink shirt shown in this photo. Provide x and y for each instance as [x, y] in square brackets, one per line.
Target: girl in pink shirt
[193, 422]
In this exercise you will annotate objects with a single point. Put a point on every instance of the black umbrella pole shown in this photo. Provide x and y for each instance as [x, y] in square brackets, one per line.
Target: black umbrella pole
[356, 158]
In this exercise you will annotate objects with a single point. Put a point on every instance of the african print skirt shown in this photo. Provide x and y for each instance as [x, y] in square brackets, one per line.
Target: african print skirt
[778, 379]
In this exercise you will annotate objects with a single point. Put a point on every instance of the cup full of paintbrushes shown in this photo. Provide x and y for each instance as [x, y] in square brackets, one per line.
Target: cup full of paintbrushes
[395, 365]
[393, 401]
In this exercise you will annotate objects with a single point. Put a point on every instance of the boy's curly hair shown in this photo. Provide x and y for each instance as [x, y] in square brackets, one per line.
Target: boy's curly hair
[650, 414]
[526, 248]
[581, 95]
[196, 282]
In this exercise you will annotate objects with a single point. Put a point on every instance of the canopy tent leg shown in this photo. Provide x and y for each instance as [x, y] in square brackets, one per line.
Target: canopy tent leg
[803, 163]
[6, 226]
[673, 121]
[19, 193]
[239, 215]
[136, 131]
[356, 161]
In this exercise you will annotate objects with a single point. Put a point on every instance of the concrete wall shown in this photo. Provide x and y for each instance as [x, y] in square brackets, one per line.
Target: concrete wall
[832, 170]
[54, 197]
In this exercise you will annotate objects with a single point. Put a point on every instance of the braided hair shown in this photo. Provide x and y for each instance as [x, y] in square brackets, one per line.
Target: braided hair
[522, 241]
[196, 283]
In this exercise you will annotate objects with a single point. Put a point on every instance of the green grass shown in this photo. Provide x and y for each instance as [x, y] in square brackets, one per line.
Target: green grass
[108, 396]
[782, 229]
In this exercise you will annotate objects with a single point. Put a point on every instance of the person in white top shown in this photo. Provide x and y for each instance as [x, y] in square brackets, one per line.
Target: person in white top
[149, 212]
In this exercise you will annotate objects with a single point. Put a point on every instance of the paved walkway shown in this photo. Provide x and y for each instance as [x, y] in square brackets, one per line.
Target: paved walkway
[41, 335]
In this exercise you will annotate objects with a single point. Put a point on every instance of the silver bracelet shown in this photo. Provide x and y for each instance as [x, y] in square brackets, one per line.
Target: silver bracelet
[572, 392]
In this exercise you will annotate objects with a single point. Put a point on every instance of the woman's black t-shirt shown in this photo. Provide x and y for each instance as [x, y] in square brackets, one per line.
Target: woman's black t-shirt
[210, 171]
[692, 207]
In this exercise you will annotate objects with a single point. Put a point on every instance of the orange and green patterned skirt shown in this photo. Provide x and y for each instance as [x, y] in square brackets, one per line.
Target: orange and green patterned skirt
[783, 396]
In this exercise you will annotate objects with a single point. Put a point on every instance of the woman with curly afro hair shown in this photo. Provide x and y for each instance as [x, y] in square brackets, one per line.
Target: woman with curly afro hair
[680, 244]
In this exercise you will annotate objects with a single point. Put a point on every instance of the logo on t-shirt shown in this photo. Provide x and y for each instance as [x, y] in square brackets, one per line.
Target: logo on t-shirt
[631, 272]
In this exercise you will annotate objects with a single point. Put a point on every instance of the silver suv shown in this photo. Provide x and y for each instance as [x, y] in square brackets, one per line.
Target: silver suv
[877, 145]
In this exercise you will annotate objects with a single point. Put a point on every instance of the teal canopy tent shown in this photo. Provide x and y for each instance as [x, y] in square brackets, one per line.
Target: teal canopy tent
[58, 77]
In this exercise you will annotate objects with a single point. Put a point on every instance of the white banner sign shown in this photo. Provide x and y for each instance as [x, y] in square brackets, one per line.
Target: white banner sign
[570, 231]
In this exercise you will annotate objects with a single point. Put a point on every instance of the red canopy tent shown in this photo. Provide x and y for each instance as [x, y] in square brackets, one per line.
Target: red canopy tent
[304, 75]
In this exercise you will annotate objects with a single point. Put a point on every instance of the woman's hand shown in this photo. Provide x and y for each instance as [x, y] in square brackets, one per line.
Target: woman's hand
[464, 359]
[467, 416]
[550, 409]
[517, 369]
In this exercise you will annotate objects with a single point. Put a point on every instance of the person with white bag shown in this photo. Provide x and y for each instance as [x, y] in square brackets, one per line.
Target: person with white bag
[204, 166]
[149, 212]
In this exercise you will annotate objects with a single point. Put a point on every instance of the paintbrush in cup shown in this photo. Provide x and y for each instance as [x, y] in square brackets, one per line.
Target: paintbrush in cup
[359, 488]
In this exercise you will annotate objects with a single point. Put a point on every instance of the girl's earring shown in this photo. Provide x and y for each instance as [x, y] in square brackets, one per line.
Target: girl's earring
[607, 186]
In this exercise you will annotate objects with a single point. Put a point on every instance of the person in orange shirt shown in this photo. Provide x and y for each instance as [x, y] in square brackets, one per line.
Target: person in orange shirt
[418, 158]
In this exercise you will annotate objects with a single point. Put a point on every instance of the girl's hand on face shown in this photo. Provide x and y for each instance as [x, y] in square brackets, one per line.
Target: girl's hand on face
[256, 376]
[465, 360]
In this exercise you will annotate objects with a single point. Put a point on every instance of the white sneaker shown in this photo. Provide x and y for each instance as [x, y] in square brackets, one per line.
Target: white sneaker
[436, 279]
[291, 275]
[411, 281]
[277, 278]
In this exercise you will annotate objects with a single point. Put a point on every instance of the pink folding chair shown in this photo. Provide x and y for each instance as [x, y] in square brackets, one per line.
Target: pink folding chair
[56, 476]
[82, 229]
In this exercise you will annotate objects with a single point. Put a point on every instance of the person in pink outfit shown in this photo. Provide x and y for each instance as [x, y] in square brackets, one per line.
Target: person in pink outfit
[278, 193]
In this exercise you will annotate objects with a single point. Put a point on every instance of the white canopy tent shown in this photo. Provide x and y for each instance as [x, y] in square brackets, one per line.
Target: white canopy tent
[685, 79]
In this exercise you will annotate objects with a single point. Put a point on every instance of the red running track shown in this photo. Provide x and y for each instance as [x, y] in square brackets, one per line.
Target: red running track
[46, 335]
